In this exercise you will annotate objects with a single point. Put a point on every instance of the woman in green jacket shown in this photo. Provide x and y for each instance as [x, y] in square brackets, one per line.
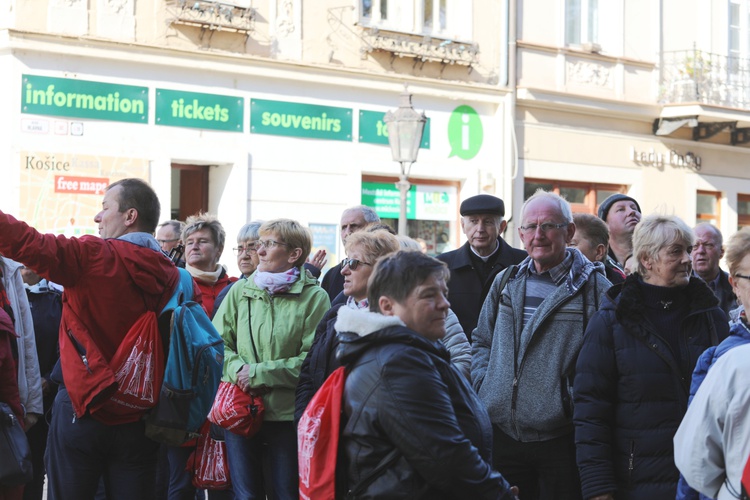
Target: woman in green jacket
[268, 323]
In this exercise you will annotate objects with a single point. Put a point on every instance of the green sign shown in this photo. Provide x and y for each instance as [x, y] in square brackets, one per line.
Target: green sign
[465, 132]
[207, 111]
[423, 201]
[386, 199]
[41, 95]
[300, 120]
[372, 129]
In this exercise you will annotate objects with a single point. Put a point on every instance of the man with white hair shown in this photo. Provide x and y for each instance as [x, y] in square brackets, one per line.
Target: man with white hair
[525, 348]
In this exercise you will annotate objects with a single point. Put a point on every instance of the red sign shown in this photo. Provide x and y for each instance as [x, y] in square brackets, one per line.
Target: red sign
[80, 185]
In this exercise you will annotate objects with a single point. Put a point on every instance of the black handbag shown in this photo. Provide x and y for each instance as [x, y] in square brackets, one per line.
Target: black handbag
[15, 454]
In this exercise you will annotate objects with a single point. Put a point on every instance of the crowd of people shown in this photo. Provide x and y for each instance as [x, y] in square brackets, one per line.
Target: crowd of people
[604, 360]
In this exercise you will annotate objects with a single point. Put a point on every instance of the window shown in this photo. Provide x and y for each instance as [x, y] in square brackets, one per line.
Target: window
[583, 197]
[581, 22]
[707, 207]
[743, 211]
[450, 19]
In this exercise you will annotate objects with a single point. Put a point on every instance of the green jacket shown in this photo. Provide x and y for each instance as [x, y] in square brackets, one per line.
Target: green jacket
[283, 328]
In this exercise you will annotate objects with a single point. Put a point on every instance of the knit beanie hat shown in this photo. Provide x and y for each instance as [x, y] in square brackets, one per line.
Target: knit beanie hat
[607, 204]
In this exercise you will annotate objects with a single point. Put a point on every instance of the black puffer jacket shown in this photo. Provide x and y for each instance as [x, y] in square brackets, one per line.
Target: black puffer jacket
[631, 392]
[410, 411]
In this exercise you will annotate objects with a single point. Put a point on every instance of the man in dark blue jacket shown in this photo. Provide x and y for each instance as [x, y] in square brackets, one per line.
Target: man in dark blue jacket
[474, 266]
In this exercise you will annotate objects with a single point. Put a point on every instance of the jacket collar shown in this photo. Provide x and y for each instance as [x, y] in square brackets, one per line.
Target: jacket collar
[628, 301]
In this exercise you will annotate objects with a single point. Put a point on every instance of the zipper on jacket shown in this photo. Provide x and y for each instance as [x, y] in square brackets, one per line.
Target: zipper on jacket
[513, 400]
[80, 350]
[631, 459]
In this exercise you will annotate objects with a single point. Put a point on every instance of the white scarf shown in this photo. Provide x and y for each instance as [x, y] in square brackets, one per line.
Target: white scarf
[205, 277]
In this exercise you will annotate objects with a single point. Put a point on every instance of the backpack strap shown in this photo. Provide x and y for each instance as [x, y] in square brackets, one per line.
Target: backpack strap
[510, 272]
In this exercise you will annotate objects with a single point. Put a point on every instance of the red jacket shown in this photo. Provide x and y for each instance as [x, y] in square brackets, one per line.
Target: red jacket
[8, 370]
[108, 284]
[210, 292]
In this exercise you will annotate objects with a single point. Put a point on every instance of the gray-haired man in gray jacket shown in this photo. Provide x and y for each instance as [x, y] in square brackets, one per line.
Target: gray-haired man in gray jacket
[525, 348]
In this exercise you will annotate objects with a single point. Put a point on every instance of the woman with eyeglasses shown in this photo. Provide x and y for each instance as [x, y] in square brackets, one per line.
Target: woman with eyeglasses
[268, 322]
[698, 465]
[633, 371]
[204, 243]
[363, 249]
[247, 256]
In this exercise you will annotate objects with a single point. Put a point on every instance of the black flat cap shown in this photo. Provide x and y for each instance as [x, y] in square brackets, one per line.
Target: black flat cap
[607, 204]
[483, 204]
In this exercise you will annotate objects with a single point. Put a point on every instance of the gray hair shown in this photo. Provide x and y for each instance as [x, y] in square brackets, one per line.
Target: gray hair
[176, 226]
[562, 203]
[656, 232]
[737, 247]
[249, 231]
[205, 221]
[407, 243]
[368, 213]
[714, 229]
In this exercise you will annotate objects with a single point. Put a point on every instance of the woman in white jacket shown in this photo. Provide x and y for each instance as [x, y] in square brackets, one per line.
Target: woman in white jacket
[712, 445]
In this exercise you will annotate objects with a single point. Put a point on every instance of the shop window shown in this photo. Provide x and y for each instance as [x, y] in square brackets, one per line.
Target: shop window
[743, 211]
[432, 209]
[707, 207]
[438, 18]
[583, 197]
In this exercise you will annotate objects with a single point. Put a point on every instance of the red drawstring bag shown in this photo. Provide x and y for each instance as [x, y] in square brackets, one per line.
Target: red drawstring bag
[746, 481]
[237, 411]
[138, 367]
[318, 440]
[208, 464]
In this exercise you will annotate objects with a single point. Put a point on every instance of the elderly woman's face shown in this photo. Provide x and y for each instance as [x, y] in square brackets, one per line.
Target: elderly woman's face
[355, 280]
[741, 285]
[201, 250]
[247, 256]
[672, 266]
[275, 255]
[425, 309]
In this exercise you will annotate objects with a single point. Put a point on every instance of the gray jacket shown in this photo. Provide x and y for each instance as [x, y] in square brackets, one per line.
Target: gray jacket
[457, 344]
[527, 387]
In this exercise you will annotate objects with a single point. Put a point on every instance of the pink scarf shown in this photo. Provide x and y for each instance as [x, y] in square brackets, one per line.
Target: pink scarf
[274, 283]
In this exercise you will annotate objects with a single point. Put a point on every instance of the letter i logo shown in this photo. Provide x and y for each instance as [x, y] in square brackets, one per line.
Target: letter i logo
[465, 132]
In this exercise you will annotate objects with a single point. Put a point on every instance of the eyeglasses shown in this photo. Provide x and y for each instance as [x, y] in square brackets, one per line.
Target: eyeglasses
[250, 248]
[546, 227]
[164, 242]
[737, 275]
[353, 263]
[269, 244]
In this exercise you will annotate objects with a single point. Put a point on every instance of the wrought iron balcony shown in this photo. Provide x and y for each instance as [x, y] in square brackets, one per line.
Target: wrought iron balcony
[694, 76]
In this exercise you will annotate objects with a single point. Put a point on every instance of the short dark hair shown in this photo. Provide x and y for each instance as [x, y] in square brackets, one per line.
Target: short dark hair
[397, 274]
[593, 228]
[137, 194]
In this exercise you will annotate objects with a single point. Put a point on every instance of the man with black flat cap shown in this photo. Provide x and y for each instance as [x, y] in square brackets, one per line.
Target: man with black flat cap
[474, 266]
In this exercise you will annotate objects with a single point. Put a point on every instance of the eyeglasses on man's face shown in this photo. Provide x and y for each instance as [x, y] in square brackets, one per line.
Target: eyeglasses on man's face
[353, 263]
[270, 244]
[546, 227]
[744, 277]
[250, 248]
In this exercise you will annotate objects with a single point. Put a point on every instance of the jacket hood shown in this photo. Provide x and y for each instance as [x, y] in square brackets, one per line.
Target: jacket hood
[360, 330]
[150, 269]
[628, 302]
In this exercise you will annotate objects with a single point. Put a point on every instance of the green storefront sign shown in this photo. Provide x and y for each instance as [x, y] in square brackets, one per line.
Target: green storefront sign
[385, 199]
[42, 95]
[300, 120]
[372, 129]
[207, 111]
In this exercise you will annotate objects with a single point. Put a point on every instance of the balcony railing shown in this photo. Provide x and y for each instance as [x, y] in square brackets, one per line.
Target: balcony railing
[702, 77]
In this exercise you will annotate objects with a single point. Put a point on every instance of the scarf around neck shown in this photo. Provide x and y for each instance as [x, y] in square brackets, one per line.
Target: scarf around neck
[274, 283]
[206, 277]
[353, 304]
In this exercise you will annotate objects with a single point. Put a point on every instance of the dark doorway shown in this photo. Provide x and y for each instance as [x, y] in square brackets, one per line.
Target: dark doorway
[189, 190]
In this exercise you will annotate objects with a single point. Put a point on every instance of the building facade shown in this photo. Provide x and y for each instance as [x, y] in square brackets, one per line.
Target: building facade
[251, 109]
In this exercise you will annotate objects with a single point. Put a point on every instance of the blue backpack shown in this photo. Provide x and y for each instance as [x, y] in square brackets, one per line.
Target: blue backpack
[193, 370]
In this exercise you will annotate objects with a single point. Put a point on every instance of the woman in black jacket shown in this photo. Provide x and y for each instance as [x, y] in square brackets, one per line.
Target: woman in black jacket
[633, 371]
[414, 427]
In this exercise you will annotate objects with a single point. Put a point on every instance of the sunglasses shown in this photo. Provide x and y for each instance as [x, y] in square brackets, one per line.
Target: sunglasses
[353, 263]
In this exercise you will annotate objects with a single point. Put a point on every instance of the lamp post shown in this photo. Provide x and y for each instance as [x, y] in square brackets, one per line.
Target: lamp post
[405, 129]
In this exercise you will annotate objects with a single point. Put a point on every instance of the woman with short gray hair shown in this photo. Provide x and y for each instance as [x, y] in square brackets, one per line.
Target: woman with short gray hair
[633, 371]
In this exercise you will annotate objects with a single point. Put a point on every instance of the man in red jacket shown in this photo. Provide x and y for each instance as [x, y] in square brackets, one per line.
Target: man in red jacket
[109, 283]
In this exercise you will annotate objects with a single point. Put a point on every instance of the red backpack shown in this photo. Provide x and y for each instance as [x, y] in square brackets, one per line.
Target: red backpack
[318, 440]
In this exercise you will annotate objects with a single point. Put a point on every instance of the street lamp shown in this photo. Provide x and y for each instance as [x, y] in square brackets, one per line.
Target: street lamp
[405, 129]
